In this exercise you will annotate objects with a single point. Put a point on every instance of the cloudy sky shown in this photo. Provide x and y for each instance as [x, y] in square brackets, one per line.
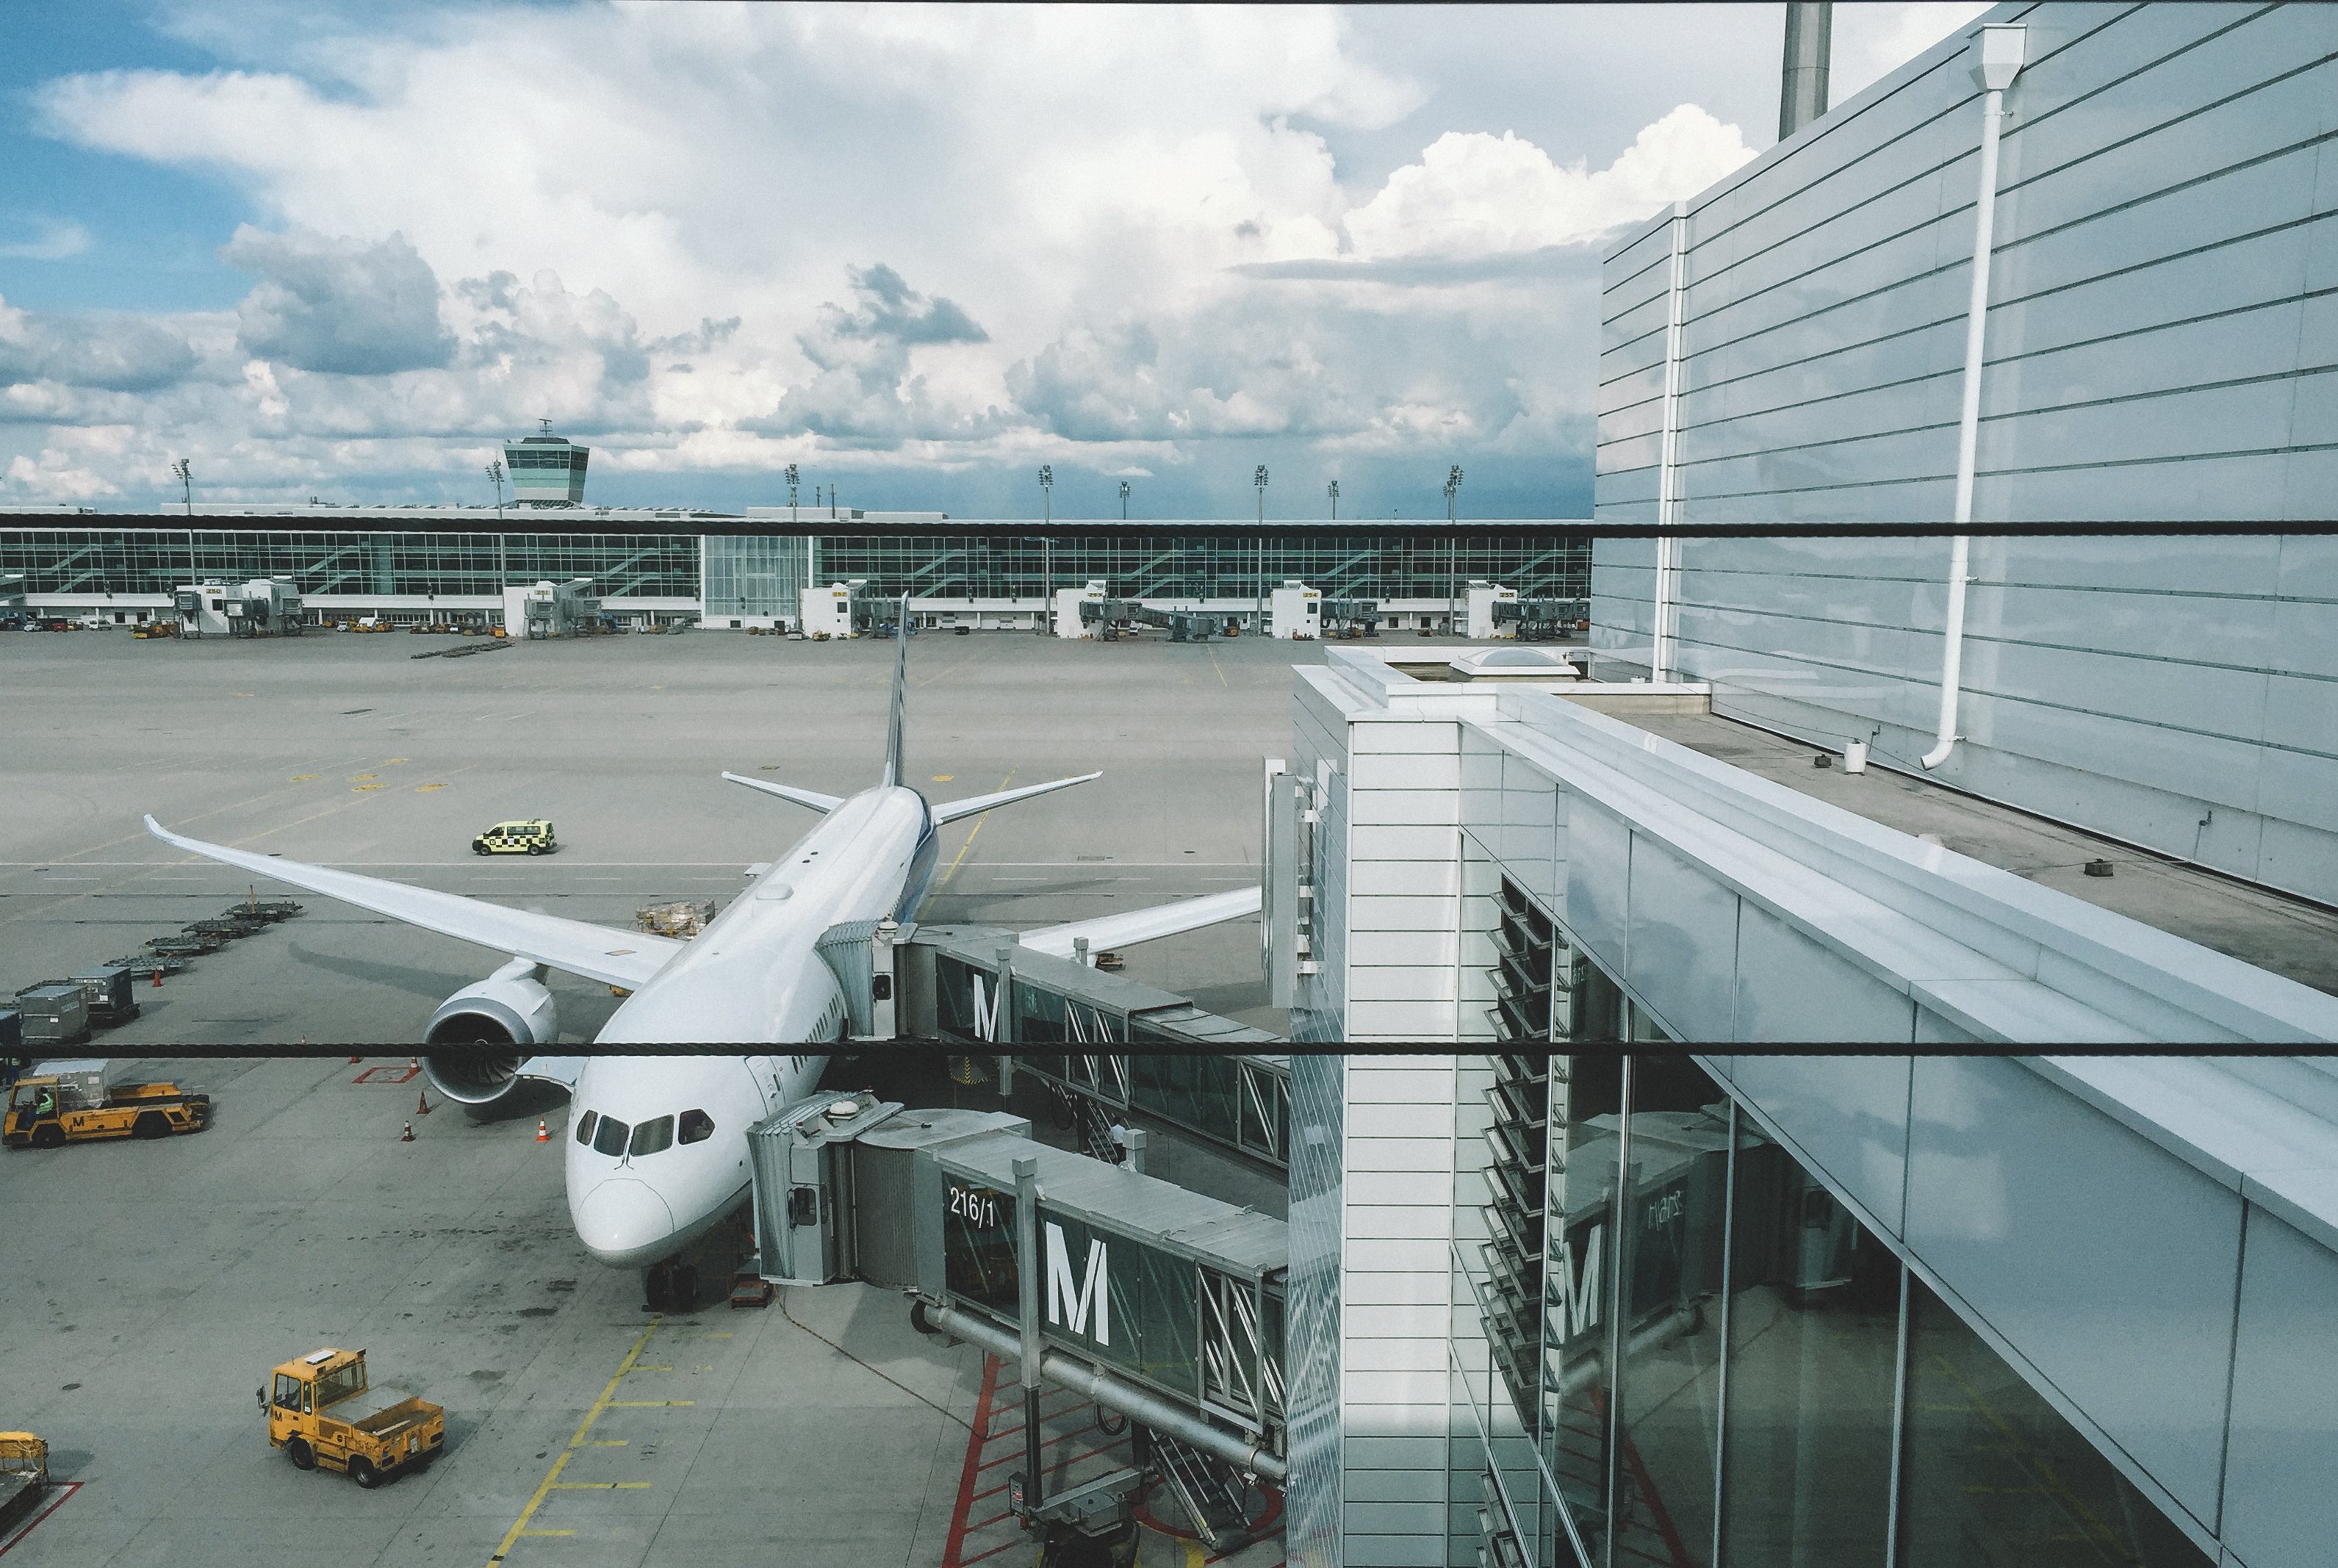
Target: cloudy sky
[345, 250]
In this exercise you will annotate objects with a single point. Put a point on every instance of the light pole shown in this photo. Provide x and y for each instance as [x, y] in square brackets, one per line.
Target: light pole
[1452, 546]
[1332, 490]
[1124, 500]
[1452, 491]
[791, 477]
[1047, 492]
[184, 473]
[1258, 604]
[495, 477]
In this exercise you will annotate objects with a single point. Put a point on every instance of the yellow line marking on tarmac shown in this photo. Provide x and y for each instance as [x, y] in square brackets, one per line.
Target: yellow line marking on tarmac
[361, 788]
[600, 1485]
[606, 1442]
[1215, 665]
[394, 761]
[648, 1404]
[971, 838]
[358, 778]
[301, 777]
[426, 789]
[552, 1477]
[944, 777]
[1193, 1558]
[651, 1369]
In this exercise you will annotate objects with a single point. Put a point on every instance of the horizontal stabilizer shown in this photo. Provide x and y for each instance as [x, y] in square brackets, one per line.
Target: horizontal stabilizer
[823, 804]
[974, 803]
[1107, 931]
[627, 958]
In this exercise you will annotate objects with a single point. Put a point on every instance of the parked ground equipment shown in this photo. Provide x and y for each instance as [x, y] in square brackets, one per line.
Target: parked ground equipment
[71, 1102]
[54, 1012]
[323, 1411]
[24, 1476]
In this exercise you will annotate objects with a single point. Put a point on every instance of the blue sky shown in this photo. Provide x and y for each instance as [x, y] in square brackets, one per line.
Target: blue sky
[345, 250]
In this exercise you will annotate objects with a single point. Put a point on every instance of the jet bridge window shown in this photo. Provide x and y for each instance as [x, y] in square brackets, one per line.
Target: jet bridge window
[585, 1127]
[654, 1136]
[610, 1138]
[697, 1126]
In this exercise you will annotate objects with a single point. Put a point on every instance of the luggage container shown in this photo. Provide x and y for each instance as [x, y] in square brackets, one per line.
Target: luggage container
[54, 1013]
[111, 1000]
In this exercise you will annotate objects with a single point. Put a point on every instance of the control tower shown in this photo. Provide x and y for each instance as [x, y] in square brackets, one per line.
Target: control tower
[547, 470]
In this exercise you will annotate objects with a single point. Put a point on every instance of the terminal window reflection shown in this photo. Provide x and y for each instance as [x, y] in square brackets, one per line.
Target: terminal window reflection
[1993, 1473]
[1814, 1325]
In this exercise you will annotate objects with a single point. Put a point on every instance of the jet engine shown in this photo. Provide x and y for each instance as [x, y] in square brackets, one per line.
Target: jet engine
[479, 1035]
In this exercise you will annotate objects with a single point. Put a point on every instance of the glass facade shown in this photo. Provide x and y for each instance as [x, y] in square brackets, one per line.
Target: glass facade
[760, 575]
[142, 561]
[1676, 1347]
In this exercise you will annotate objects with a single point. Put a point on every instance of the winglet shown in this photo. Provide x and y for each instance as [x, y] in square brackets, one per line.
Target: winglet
[952, 810]
[893, 774]
[823, 804]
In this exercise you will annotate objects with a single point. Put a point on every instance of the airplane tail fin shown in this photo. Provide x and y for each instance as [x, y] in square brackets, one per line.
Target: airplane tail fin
[893, 774]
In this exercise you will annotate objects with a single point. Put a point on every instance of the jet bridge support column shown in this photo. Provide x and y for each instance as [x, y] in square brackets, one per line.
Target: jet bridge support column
[1026, 1270]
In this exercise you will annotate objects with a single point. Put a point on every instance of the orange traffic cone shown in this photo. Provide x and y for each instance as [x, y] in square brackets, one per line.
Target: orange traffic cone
[354, 1058]
[408, 1136]
[158, 979]
[422, 1103]
[543, 1133]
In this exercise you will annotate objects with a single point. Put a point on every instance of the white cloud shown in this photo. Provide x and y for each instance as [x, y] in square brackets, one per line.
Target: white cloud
[338, 305]
[54, 239]
[917, 235]
[1472, 193]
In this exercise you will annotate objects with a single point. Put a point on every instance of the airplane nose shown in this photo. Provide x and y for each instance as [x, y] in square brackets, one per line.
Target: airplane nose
[624, 1222]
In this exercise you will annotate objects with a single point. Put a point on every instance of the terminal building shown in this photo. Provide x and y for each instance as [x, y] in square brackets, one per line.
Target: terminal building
[1988, 785]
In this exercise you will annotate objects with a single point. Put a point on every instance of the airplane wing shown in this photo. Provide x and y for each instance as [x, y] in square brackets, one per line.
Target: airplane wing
[1144, 925]
[626, 958]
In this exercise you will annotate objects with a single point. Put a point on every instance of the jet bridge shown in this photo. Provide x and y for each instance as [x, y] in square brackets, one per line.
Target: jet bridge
[1106, 617]
[1160, 1303]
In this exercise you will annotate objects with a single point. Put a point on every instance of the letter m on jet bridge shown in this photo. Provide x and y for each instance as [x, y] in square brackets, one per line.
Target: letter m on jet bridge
[1067, 1300]
[1576, 1294]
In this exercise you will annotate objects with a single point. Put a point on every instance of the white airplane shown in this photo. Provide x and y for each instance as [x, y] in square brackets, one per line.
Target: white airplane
[657, 1151]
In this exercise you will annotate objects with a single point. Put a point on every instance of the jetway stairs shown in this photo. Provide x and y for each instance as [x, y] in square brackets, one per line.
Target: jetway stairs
[1159, 1303]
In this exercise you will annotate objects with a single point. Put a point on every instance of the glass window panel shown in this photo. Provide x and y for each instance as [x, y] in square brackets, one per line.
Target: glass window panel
[654, 1136]
[611, 1138]
[1994, 1474]
[1672, 1362]
[1815, 1324]
[979, 1246]
[585, 1127]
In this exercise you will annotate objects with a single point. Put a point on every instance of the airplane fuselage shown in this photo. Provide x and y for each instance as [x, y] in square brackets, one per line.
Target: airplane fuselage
[679, 1166]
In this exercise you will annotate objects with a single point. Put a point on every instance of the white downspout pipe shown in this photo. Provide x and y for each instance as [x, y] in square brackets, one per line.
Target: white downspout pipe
[1997, 60]
[1664, 649]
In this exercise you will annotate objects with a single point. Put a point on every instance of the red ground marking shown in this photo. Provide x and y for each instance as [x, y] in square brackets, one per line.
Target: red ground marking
[956, 1543]
[1266, 1521]
[65, 1490]
[1657, 1512]
[402, 1075]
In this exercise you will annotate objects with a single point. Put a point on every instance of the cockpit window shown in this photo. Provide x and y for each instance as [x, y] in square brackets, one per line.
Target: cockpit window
[610, 1140]
[654, 1136]
[697, 1126]
[585, 1127]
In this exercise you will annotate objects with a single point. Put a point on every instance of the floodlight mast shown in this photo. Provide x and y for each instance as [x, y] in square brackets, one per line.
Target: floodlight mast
[184, 473]
[792, 477]
[1332, 490]
[1047, 492]
[1124, 500]
[495, 477]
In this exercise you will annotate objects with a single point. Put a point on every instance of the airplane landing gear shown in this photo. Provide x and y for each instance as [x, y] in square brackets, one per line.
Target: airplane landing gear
[670, 1285]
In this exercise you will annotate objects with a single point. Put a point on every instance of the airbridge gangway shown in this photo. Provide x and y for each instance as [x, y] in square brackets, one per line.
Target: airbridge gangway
[1154, 1300]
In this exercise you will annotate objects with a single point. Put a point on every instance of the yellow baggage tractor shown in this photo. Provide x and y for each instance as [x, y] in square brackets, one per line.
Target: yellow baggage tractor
[323, 1411]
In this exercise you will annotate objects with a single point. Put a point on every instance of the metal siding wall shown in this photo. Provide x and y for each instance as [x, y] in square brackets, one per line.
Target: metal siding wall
[1404, 895]
[1396, 1387]
[2163, 345]
[2280, 1506]
[1314, 1331]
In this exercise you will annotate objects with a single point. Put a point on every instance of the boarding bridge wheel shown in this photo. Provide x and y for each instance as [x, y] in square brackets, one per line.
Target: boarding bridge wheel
[1212, 1491]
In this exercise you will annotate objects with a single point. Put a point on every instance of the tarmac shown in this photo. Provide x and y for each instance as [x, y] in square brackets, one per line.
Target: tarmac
[151, 1286]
